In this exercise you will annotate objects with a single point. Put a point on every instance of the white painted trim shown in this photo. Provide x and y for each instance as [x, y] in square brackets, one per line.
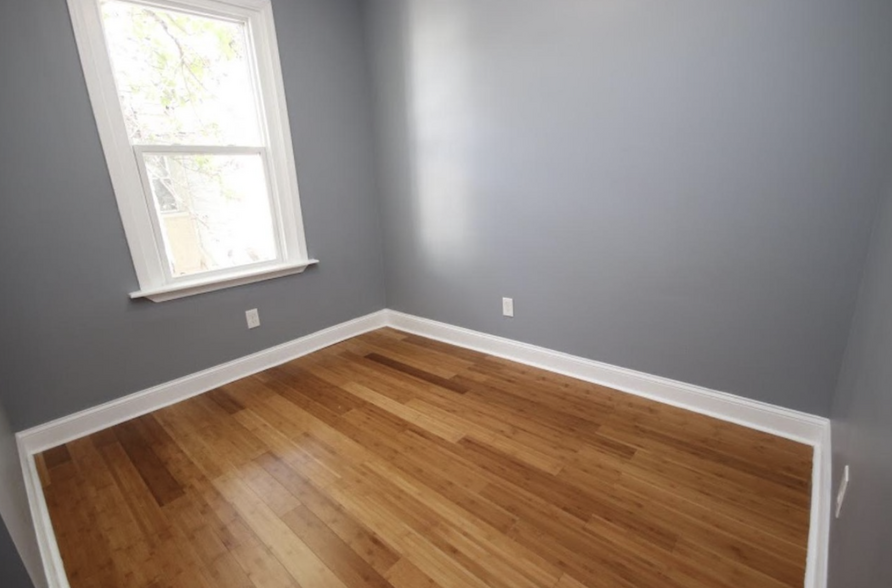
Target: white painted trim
[53, 568]
[125, 164]
[216, 282]
[91, 420]
[778, 421]
[783, 422]
[819, 527]
[87, 24]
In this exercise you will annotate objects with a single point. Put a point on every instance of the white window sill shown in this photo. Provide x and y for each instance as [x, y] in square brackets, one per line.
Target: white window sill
[200, 286]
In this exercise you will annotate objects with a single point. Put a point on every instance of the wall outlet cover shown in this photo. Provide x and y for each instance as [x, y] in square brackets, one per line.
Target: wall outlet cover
[253, 318]
[508, 307]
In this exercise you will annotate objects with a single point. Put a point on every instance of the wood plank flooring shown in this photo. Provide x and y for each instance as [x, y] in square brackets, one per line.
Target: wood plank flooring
[393, 461]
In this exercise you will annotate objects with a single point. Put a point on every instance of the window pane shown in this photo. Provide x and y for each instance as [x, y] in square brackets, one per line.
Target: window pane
[182, 79]
[213, 210]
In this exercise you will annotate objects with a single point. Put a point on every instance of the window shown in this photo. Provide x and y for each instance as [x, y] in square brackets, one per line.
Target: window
[191, 112]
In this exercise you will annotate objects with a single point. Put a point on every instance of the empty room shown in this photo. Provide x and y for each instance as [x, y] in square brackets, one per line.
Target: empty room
[446, 294]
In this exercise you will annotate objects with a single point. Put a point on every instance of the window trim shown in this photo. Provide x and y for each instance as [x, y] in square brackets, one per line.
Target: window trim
[126, 173]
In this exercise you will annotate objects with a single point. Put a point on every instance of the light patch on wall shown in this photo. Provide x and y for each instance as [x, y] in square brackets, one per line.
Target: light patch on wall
[442, 127]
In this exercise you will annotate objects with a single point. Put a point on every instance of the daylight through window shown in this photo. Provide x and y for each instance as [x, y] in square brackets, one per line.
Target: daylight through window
[206, 185]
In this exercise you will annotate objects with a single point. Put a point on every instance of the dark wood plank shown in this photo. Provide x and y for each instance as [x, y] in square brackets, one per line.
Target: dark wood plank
[56, 456]
[163, 486]
[225, 401]
[417, 373]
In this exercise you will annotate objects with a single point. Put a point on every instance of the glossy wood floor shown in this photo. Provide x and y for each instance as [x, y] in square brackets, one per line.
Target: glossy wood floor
[391, 460]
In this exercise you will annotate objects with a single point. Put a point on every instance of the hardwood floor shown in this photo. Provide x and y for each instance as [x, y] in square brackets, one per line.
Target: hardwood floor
[394, 461]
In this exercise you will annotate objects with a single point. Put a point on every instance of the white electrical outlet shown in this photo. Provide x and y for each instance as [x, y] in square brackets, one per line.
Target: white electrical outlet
[508, 307]
[253, 318]
[843, 486]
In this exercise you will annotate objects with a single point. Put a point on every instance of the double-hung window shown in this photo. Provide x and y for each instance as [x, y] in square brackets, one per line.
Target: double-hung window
[190, 106]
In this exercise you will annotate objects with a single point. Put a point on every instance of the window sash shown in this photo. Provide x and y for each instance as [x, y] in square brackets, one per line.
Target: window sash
[140, 151]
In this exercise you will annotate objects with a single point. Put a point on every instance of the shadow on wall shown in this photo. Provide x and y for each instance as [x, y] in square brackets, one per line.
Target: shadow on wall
[862, 428]
[17, 529]
[11, 566]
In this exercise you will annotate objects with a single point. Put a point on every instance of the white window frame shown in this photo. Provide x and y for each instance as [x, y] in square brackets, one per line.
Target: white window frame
[132, 192]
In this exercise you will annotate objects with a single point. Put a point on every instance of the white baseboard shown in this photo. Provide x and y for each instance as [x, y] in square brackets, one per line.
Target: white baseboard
[821, 499]
[53, 570]
[783, 422]
[779, 421]
[91, 420]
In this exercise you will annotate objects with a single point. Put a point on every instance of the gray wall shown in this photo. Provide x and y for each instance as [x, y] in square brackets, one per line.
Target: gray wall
[14, 574]
[15, 514]
[681, 188]
[70, 337]
[862, 429]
